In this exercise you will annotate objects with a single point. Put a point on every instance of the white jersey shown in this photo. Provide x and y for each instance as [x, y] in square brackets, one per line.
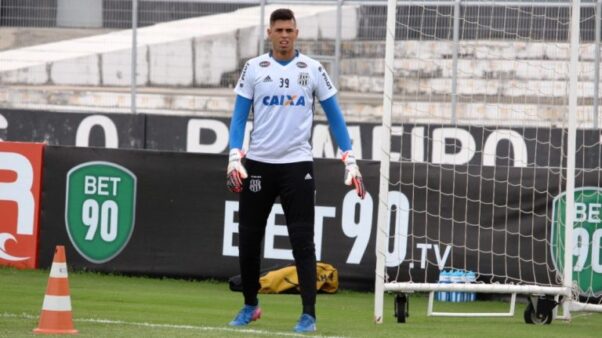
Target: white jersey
[283, 102]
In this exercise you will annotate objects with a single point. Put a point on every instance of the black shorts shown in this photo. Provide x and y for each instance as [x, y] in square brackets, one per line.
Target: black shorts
[292, 182]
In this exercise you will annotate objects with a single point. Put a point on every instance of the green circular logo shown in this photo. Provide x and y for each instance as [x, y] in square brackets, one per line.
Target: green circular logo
[587, 235]
[100, 209]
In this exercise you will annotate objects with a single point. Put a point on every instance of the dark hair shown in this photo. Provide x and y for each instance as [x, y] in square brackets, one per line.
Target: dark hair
[284, 14]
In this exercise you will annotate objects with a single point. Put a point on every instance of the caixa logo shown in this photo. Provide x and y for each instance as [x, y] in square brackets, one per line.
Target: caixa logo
[100, 209]
[20, 177]
[284, 100]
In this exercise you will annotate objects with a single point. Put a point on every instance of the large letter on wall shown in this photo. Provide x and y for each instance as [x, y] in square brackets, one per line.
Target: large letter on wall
[3, 124]
[20, 177]
[82, 137]
[467, 150]
[193, 138]
[518, 146]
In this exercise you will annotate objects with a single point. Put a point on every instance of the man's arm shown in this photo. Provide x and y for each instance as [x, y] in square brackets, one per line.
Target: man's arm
[337, 122]
[341, 135]
[239, 121]
[236, 172]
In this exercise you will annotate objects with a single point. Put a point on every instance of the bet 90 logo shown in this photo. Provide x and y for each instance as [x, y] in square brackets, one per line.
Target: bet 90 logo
[100, 209]
[587, 238]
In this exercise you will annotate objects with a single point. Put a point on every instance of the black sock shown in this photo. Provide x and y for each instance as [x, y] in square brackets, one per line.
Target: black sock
[310, 310]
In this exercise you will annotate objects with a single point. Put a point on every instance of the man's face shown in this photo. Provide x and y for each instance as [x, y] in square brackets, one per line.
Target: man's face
[283, 34]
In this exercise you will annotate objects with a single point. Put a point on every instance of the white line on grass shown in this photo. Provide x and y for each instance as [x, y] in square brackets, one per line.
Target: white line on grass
[171, 326]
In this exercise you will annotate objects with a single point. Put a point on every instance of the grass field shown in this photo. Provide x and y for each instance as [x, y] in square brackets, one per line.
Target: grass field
[118, 306]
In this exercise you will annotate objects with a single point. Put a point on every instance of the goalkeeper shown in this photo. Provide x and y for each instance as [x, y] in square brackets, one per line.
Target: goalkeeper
[281, 87]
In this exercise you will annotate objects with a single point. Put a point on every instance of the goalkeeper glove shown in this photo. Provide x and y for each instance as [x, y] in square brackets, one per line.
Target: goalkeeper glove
[352, 174]
[236, 171]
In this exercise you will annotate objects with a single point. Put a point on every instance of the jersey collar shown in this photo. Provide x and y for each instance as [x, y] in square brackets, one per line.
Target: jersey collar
[284, 63]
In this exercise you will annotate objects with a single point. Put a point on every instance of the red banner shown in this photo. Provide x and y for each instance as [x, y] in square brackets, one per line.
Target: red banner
[20, 183]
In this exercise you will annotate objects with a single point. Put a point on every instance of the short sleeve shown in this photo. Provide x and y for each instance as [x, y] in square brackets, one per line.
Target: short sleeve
[324, 87]
[244, 86]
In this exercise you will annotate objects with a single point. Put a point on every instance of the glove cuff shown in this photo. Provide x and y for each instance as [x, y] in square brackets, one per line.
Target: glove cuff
[348, 157]
[236, 154]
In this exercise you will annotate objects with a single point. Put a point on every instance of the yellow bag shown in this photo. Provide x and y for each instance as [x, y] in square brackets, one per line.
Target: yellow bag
[285, 280]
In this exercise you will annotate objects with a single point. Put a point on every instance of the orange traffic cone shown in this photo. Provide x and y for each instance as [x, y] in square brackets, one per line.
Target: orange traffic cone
[56, 310]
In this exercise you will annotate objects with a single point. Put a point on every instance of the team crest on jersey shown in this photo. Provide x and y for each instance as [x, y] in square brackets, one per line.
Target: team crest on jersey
[303, 78]
[255, 184]
[264, 64]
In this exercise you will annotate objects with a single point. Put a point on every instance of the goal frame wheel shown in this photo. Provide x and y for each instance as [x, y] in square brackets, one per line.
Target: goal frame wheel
[540, 310]
[401, 306]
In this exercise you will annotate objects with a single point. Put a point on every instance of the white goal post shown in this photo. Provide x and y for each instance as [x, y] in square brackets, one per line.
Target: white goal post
[488, 159]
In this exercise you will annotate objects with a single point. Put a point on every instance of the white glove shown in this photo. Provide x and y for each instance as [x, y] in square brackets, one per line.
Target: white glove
[352, 174]
[236, 172]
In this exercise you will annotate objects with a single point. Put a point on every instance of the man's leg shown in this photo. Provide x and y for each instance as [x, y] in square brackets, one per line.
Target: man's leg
[256, 202]
[297, 195]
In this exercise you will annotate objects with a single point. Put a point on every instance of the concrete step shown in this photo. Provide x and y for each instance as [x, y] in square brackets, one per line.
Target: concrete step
[357, 107]
[503, 88]
[443, 49]
[485, 69]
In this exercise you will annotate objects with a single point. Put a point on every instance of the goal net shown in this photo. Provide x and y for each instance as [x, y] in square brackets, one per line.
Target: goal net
[492, 115]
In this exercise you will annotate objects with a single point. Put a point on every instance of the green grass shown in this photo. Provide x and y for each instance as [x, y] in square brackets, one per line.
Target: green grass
[118, 306]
